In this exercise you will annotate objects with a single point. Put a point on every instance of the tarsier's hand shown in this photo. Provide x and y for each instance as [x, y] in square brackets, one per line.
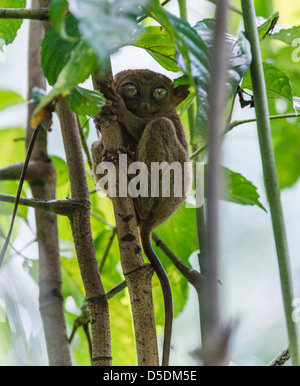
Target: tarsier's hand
[114, 109]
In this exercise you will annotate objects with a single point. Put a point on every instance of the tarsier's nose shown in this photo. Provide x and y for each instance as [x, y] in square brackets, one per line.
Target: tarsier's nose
[145, 107]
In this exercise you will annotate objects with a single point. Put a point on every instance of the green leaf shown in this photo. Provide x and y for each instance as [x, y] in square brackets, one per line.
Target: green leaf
[13, 146]
[194, 47]
[82, 64]
[107, 25]
[85, 102]
[238, 189]
[58, 12]
[289, 36]
[12, 151]
[10, 27]
[239, 49]
[61, 170]
[122, 332]
[84, 125]
[9, 98]
[160, 46]
[286, 141]
[72, 282]
[267, 26]
[11, 188]
[277, 83]
[56, 51]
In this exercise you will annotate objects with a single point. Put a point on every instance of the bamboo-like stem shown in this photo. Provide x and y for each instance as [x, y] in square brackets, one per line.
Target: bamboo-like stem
[182, 9]
[270, 175]
[20, 13]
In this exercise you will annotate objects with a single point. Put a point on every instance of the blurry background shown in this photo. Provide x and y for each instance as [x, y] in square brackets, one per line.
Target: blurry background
[251, 294]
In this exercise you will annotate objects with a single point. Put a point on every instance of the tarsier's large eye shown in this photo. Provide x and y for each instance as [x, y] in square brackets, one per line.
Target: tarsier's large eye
[160, 93]
[130, 89]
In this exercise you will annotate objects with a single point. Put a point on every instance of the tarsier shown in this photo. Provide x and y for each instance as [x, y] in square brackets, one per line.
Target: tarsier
[144, 104]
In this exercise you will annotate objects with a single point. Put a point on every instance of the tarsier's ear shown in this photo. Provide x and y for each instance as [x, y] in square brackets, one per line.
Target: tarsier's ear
[180, 93]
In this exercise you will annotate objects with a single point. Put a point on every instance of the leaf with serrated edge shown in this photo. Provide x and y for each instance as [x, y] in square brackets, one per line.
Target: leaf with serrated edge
[58, 12]
[278, 84]
[85, 102]
[157, 42]
[267, 26]
[239, 190]
[9, 27]
[81, 65]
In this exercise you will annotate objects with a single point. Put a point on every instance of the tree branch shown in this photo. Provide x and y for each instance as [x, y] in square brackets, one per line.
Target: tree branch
[84, 245]
[20, 13]
[192, 276]
[42, 179]
[60, 207]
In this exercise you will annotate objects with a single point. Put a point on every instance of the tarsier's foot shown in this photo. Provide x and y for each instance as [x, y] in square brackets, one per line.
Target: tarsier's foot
[130, 153]
[112, 155]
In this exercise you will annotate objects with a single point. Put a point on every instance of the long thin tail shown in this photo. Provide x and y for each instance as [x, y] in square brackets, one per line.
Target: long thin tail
[166, 289]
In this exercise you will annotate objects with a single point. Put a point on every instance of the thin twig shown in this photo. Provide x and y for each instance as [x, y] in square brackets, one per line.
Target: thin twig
[84, 142]
[242, 122]
[272, 117]
[107, 249]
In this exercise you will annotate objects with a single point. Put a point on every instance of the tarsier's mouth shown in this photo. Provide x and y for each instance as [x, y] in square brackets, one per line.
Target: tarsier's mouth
[143, 115]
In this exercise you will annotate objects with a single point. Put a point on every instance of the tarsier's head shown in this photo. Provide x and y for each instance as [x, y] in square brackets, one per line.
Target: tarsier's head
[147, 93]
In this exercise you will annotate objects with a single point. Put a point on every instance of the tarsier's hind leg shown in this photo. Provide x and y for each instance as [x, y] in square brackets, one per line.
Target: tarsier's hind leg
[159, 143]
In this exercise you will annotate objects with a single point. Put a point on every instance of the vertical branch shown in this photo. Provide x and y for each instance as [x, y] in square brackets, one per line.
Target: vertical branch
[82, 234]
[51, 301]
[270, 174]
[200, 212]
[214, 337]
[138, 274]
[84, 245]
